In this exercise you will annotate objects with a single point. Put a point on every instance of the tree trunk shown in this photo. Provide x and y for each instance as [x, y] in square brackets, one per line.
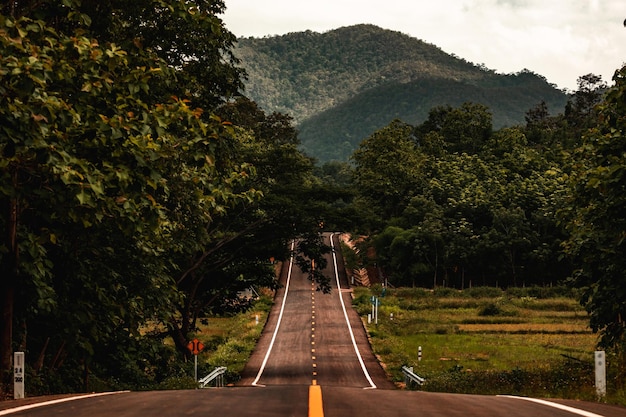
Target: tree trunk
[38, 366]
[8, 277]
[179, 336]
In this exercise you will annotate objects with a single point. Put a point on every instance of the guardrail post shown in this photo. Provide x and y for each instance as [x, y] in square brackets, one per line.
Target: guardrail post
[216, 375]
[410, 376]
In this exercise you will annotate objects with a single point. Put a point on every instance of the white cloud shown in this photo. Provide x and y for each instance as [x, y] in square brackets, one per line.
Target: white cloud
[559, 39]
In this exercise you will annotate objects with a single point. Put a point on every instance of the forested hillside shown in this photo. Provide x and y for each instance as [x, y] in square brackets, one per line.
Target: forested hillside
[340, 86]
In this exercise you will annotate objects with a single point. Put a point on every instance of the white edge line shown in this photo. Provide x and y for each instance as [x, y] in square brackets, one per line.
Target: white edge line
[280, 318]
[555, 405]
[345, 313]
[51, 402]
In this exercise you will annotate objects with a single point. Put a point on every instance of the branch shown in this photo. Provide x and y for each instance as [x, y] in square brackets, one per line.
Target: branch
[220, 244]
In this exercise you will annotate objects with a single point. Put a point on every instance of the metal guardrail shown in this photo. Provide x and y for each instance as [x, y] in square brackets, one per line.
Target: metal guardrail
[410, 376]
[217, 375]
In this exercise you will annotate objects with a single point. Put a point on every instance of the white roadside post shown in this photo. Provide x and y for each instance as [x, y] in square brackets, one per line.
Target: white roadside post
[377, 303]
[18, 375]
[600, 360]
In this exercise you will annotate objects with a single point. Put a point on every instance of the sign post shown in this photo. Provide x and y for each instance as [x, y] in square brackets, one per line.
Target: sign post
[18, 375]
[195, 347]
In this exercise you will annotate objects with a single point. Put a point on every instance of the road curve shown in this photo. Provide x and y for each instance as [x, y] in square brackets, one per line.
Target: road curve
[314, 360]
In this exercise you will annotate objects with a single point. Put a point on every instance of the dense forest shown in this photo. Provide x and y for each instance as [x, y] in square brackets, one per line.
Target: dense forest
[342, 85]
[141, 190]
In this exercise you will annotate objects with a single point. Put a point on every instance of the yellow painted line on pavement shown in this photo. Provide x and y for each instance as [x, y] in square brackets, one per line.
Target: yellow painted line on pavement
[316, 407]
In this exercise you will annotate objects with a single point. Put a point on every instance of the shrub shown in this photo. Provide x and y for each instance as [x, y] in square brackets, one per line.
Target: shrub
[490, 309]
[484, 292]
[446, 292]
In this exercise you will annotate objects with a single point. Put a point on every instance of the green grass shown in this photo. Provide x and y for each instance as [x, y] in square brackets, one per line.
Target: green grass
[483, 341]
[229, 341]
[487, 341]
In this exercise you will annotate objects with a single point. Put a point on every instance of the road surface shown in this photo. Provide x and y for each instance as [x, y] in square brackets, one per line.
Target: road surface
[312, 360]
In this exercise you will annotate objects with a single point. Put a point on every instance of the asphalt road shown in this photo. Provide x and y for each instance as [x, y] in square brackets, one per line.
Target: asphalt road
[312, 360]
[312, 338]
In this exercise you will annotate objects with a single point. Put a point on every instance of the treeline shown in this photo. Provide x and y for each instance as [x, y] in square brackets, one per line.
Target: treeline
[455, 203]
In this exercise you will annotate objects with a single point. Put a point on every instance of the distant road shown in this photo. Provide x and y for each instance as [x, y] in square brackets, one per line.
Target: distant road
[313, 338]
[314, 360]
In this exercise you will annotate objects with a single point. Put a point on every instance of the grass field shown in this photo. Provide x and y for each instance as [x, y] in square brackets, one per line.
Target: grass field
[533, 342]
[487, 341]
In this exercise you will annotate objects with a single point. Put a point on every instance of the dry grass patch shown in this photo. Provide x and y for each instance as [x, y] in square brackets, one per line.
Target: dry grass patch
[525, 328]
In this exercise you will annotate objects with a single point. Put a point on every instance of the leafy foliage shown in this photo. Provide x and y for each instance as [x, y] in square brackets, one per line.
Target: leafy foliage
[93, 164]
[595, 216]
[461, 206]
[129, 207]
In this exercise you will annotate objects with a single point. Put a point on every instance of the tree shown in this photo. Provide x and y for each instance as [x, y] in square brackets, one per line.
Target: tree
[222, 256]
[387, 170]
[580, 111]
[464, 129]
[101, 169]
[596, 217]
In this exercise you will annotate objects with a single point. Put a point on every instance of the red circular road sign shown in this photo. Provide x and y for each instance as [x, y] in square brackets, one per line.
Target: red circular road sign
[195, 346]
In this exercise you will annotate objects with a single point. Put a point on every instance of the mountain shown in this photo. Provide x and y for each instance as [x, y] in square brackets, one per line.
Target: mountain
[342, 85]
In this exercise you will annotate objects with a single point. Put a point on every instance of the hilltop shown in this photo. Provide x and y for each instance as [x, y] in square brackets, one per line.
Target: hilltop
[342, 85]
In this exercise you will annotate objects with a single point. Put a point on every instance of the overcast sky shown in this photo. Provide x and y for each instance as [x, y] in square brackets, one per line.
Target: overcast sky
[558, 39]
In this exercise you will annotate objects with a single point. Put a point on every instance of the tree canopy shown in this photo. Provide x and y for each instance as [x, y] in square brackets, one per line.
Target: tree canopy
[130, 196]
[595, 216]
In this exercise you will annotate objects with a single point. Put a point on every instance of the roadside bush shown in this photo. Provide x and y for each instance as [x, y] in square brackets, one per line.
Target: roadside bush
[484, 292]
[446, 292]
[569, 379]
[490, 309]
[408, 292]
[543, 292]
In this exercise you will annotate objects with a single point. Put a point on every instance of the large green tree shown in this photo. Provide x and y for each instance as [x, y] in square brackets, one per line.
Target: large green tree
[243, 240]
[388, 169]
[105, 160]
[596, 217]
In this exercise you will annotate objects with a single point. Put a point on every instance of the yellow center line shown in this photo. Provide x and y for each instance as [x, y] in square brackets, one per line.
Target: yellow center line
[316, 407]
